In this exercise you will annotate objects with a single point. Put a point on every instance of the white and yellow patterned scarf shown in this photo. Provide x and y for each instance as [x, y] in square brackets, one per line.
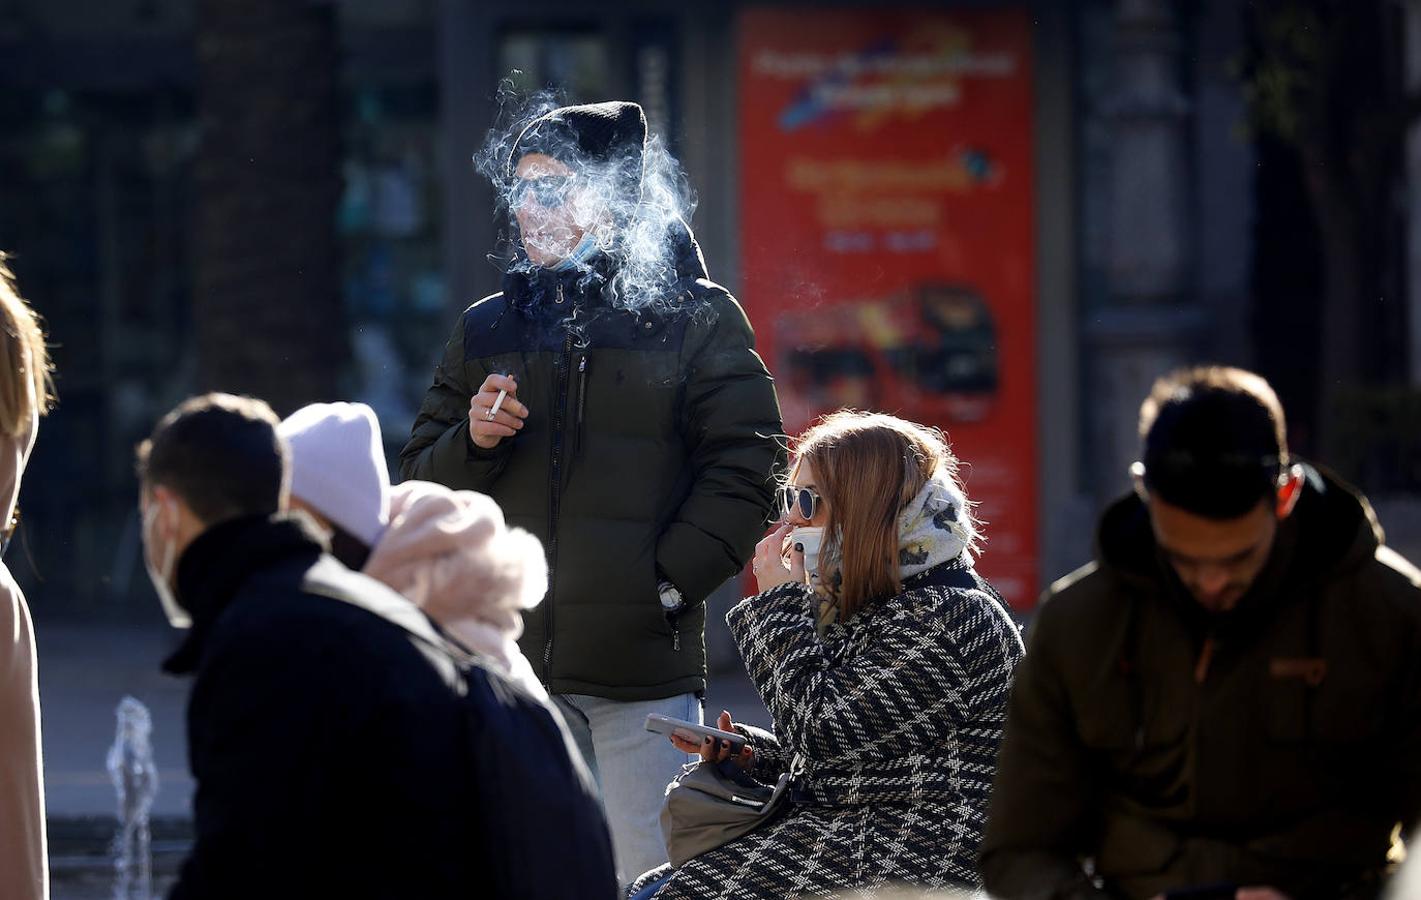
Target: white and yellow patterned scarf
[934, 527]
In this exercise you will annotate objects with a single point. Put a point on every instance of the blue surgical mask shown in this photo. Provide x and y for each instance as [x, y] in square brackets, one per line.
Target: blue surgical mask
[584, 251]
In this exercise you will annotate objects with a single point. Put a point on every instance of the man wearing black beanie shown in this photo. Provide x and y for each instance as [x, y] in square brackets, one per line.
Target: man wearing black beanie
[595, 132]
[1227, 702]
[610, 399]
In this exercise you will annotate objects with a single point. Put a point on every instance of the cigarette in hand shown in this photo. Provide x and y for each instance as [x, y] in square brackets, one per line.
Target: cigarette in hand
[493, 410]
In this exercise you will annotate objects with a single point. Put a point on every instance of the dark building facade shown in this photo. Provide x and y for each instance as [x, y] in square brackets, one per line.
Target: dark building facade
[1143, 205]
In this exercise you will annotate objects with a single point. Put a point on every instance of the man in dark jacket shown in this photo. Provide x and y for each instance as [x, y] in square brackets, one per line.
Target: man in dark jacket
[1230, 695]
[610, 399]
[341, 747]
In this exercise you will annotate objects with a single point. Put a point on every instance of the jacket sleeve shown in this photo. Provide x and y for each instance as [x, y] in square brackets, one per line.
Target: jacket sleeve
[770, 760]
[1040, 815]
[1407, 751]
[733, 432]
[909, 681]
[1402, 585]
[439, 448]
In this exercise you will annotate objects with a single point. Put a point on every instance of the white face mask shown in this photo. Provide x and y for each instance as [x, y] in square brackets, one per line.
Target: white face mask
[162, 576]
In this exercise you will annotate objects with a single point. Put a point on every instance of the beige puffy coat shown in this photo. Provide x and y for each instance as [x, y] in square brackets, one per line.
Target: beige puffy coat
[24, 871]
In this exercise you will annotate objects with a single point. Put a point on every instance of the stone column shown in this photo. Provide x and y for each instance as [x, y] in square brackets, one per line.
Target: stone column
[1413, 194]
[467, 83]
[1146, 326]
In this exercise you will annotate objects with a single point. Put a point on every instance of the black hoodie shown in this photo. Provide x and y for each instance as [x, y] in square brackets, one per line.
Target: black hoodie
[1287, 765]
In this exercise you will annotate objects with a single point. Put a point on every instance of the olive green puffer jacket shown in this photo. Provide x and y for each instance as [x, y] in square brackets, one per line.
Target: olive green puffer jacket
[651, 446]
[1276, 745]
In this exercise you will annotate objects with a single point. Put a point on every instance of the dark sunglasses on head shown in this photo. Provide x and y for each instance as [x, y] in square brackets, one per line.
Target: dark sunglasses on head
[803, 499]
[550, 190]
[9, 530]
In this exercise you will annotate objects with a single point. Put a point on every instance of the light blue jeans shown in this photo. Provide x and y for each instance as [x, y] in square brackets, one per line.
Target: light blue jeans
[632, 767]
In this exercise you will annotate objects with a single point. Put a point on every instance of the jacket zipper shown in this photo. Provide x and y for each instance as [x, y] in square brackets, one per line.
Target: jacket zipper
[581, 405]
[554, 498]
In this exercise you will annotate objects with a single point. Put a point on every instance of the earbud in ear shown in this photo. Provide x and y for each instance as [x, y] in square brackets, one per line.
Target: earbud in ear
[1137, 480]
[1290, 488]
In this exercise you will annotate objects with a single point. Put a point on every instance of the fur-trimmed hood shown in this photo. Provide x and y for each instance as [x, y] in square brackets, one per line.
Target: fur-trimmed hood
[451, 554]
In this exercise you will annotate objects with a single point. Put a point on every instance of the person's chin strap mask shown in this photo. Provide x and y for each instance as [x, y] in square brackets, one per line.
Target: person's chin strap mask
[162, 575]
[584, 251]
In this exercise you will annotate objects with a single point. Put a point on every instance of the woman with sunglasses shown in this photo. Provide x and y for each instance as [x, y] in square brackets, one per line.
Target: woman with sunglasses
[25, 393]
[887, 682]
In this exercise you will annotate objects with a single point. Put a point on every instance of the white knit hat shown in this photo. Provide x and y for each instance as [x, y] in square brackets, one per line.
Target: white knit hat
[338, 466]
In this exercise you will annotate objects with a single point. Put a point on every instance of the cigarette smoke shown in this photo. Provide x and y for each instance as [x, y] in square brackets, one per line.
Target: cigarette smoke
[636, 206]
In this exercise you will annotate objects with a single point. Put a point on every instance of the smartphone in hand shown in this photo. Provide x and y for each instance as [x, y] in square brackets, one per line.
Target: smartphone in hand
[691, 731]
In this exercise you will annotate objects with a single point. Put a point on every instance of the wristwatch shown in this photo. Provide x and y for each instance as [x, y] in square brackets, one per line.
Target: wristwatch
[672, 602]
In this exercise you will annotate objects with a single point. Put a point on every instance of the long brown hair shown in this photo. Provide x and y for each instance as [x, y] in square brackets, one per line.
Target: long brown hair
[26, 386]
[867, 467]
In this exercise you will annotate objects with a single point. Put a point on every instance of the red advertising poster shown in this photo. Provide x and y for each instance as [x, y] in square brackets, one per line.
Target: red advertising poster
[887, 228]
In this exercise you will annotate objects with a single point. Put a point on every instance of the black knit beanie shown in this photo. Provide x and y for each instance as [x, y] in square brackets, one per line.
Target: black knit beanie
[576, 135]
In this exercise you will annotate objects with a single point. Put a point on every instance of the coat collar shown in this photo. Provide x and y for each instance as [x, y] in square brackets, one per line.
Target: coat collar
[218, 562]
[537, 291]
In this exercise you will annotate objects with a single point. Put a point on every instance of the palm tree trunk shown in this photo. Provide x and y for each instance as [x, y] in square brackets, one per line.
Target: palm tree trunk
[267, 308]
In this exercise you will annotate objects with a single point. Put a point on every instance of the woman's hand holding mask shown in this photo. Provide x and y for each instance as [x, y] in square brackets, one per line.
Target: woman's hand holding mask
[773, 566]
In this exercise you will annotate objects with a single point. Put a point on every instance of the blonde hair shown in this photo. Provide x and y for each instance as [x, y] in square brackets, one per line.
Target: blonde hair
[26, 384]
[867, 467]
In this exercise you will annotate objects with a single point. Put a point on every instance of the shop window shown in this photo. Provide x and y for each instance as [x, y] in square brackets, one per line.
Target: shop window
[572, 63]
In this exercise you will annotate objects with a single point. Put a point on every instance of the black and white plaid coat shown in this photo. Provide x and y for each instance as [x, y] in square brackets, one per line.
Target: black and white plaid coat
[897, 713]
